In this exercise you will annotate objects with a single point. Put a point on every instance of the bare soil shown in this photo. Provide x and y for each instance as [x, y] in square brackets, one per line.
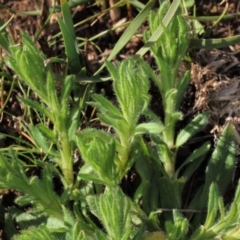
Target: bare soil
[212, 71]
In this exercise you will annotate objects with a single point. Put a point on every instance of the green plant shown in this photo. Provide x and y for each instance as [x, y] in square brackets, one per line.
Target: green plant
[169, 51]
[90, 203]
[156, 166]
[127, 79]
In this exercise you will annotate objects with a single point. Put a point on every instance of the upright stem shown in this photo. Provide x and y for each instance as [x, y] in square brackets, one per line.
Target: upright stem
[169, 132]
[168, 162]
[66, 155]
[125, 142]
[124, 155]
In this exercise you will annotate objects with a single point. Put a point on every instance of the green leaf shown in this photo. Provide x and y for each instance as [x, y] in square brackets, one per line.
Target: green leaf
[148, 128]
[233, 234]
[221, 207]
[42, 142]
[141, 190]
[13, 176]
[47, 133]
[144, 163]
[199, 234]
[151, 74]
[31, 63]
[168, 50]
[182, 85]
[23, 200]
[67, 18]
[64, 98]
[198, 155]
[70, 42]
[132, 79]
[39, 138]
[28, 62]
[73, 122]
[212, 206]
[52, 98]
[214, 42]
[4, 41]
[99, 235]
[220, 167]
[112, 70]
[78, 234]
[182, 29]
[237, 195]
[36, 233]
[37, 106]
[26, 219]
[129, 32]
[191, 129]
[151, 197]
[47, 185]
[106, 107]
[99, 151]
[70, 48]
[119, 125]
[69, 219]
[113, 209]
[160, 235]
[55, 224]
[91, 178]
[221, 164]
[194, 204]
[140, 234]
[110, 115]
[171, 115]
[10, 224]
[132, 28]
[151, 116]
[88, 173]
[170, 192]
[159, 31]
[230, 219]
[179, 228]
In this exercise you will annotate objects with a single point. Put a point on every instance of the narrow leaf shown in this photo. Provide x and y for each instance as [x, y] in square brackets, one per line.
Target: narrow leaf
[141, 190]
[4, 41]
[113, 71]
[221, 164]
[182, 85]
[156, 35]
[129, 32]
[70, 48]
[37, 106]
[42, 142]
[220, 167]
[47, 133]
[214, 42]
[148, 128]
[191, 129]
[212, 206]
[65, 93]
[195, 155]
[106, 107]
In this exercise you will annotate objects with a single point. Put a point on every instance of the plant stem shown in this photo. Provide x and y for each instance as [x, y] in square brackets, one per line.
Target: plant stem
[124, 156]
[67, 163]
[170, 121]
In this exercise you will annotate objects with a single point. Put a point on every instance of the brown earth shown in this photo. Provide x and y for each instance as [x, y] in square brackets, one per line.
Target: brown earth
[212, 71]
